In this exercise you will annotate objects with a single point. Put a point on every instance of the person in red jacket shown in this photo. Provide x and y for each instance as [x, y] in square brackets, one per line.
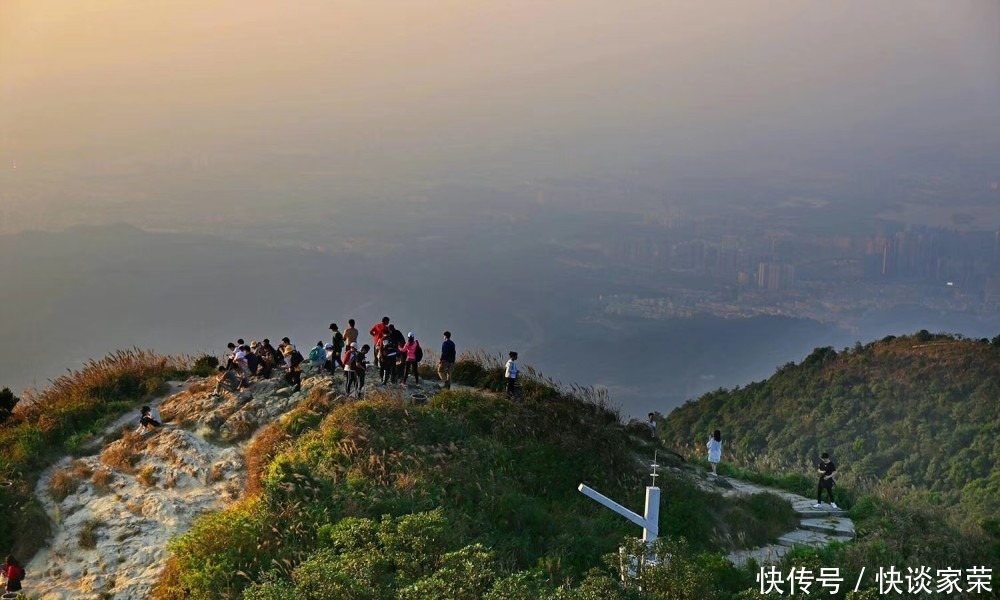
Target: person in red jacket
[14, 573]
[379, 331]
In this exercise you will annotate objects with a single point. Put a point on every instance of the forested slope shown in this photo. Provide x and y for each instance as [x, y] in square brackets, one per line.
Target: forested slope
[916, 412]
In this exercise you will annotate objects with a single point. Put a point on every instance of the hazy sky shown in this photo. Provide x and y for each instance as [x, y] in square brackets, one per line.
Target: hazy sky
[101, 99]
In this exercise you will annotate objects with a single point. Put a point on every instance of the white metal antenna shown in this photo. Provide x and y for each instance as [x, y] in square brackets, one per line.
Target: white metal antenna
[655, 466]
[649, 521]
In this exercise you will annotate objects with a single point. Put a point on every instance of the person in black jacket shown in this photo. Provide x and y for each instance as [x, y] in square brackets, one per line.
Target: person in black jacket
[827, 474]
[446, 364]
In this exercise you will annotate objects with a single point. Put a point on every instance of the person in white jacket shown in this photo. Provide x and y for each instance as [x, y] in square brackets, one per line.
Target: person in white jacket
[715, 450]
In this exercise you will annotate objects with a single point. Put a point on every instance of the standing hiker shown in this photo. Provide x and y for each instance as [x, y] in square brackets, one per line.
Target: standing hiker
[446, 364]
[388, 354]
[397, 336]
[715, 450]
[338, 343]
[511, 373]
[14, 573]
[652, 424]
[378, 331]
[413, 354]
[350, 334]
[827, 479]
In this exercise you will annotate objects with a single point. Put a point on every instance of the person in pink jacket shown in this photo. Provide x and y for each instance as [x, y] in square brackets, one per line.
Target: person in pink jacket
[414, 354]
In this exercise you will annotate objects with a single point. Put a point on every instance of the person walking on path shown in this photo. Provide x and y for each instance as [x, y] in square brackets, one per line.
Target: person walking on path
[446, 364]
[651, 421]
[827, 479]
[379, 331]
[350, 334]
[715, 450]
[511, 373]
[413, 354]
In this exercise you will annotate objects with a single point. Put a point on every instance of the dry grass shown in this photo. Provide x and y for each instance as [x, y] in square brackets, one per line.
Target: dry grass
[88, 534]
[216, 472]
[135, 507]
[123, 453]
[102, 480]
[147, 477]
[63, 483]
[261, 451]
[118, 375]
[81, 469]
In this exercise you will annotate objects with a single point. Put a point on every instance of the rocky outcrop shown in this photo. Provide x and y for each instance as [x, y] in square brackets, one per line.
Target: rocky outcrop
[116, 510]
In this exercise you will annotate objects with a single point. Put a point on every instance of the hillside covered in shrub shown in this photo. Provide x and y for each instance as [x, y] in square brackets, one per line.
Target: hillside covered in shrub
[915, 413]
[471, 495]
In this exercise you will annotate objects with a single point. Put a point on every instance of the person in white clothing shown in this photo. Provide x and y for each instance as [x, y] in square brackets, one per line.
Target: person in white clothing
[511, 373]
[715, 450]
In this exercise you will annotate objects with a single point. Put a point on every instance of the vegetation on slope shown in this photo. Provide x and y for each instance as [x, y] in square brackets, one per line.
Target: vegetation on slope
[471, 495]
[71, 411]
[911, 423]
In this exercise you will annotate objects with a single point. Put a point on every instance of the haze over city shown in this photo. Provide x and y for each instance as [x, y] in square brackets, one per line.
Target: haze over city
[656, 197]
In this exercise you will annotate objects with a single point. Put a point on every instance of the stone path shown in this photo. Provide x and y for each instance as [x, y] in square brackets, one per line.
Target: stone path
[817, 528]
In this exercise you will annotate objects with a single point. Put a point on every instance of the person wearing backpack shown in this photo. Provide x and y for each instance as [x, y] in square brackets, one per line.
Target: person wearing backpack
[337, 341]
[317, 356]
[414, 354]
[388, 353]
[14, 573]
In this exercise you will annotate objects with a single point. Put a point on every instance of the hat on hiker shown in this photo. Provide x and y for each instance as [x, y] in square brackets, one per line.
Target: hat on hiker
[286, 350]
[409, 335]
[353, 345]
[329, 346]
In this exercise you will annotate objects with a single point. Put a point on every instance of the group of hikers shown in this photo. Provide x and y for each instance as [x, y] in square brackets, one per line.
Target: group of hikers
[396, 357]
[826, 468]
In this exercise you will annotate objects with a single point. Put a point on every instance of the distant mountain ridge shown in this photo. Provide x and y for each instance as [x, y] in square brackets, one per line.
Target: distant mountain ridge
[918, 411]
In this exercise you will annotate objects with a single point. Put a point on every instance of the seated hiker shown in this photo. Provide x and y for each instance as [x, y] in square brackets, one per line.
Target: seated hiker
[14, 573]
[149, 418]
[332, 359]
[228, 380]
[293, 362]
[317, 356]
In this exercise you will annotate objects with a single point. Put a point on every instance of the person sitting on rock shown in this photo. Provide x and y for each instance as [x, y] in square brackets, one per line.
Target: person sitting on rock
[332, 359]
[228, 380]
[148, 419]
[317, 356]
[293, 361]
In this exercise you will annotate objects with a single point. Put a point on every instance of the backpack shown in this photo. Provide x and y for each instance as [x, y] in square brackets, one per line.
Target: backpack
[348, 359]
[420, 352]
[316, 353]
[297, 358]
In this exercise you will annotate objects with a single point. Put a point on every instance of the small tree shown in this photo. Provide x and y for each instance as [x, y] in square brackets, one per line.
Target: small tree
[7, 403]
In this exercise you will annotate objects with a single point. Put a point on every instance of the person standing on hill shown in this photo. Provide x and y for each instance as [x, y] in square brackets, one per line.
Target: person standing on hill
[651, 421]
[413, 354]
[378, 331]
[715, 450]
[338, 343]
[446, 364]
[511, 373]
[388, 354]
[350, 334]
[827, 479]
[400, 339]
[14, 573]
